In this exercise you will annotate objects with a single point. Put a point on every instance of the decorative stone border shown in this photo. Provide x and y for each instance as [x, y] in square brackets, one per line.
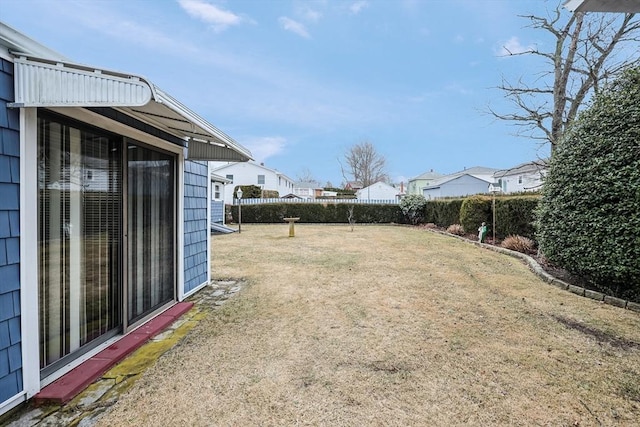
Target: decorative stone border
[540, 272]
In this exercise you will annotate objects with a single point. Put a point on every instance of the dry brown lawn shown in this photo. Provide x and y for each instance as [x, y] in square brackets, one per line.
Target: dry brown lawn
[389, 326]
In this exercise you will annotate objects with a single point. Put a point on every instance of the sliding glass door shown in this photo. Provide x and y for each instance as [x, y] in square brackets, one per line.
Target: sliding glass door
[107, 232]
[80, 231]
[151, 231]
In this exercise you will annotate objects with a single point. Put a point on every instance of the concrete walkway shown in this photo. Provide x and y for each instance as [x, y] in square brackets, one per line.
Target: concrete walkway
[90, 404]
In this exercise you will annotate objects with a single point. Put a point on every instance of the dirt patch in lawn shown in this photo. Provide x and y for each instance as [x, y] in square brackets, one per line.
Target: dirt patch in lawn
[602, 337]
[389, 326]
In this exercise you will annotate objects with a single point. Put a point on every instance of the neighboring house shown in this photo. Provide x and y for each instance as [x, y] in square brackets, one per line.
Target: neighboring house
[378, 191]
[470, 181]
[218, 184]
[251, 173]
[104, 211]
[415, 185]
[307, 190]
[353, 185]
[524, 177]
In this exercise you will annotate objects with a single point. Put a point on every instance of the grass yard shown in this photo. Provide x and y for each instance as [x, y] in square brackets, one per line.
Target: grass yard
[389, 326]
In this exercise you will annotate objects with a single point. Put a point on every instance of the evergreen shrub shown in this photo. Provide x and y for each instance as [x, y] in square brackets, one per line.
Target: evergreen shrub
[443, 213]
[474, 211]
[413, 208]
[516, 216]
[248, 191]
[319, 213]
[589, 216]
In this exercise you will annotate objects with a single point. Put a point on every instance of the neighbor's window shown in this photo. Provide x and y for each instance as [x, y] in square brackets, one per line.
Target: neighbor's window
[520, 179]
[216, 191]
[230, 178]
[260, 179]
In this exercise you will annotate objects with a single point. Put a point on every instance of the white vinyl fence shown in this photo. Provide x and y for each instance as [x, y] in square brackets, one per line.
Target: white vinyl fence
[316, 201]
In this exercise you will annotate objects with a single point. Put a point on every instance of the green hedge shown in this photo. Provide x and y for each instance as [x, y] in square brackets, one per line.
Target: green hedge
[514, 215]
[319, 213]
[443, 213]
[476, 210]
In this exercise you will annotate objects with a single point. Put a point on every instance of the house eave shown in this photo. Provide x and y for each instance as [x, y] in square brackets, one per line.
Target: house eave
[619, 6]
[48, 83]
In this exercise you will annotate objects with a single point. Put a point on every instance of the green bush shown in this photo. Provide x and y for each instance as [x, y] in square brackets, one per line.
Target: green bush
[589, 216]
[248, 191]
[443, 213]
[318, 213]
[474, 211]
[412, 207]
[516, 216]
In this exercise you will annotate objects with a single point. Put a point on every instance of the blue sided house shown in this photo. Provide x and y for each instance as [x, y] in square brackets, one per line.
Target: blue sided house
[104, 209]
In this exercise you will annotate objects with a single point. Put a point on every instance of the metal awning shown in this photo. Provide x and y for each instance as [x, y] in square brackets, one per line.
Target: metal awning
[52, 83]
[620, 6]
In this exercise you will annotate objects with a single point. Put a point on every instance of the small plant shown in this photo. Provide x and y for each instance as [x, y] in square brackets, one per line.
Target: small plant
[456, 229]
[350, 217]
[519, 244]
[430, 225]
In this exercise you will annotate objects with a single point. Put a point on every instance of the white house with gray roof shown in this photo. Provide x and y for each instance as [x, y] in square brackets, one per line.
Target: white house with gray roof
[470, 181]
[252, 173]
[523, 177]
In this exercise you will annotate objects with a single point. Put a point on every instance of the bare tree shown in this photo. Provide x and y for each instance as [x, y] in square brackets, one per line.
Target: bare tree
[307, 176]
[364, 164]
[588, 50]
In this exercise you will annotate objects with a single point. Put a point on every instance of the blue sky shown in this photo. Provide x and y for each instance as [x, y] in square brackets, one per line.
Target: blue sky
[299, 82]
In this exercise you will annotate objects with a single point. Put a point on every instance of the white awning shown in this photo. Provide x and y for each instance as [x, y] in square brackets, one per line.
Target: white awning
[52, 83]
[620, 6]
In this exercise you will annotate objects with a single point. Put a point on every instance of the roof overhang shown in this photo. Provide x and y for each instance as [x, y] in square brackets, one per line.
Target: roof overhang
[52, 83]
[219, 178]
[620, 6]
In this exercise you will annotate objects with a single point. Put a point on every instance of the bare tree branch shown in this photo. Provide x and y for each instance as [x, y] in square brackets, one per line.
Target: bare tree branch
[588, 50]
[364, 164]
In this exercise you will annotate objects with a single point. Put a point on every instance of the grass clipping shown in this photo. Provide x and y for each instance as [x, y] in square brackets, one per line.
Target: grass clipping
[389, 326]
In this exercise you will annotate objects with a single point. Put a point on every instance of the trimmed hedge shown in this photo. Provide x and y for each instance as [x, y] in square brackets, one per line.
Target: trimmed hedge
[514, 215]
[443, 213]
[474, 211]
[319, 213]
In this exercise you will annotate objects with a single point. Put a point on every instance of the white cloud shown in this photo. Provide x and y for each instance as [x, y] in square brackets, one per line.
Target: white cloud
[358, 6]
[264, 147]
[457, 88]
[311, 15]
[513, 47]
[219, 19]
[294, 26]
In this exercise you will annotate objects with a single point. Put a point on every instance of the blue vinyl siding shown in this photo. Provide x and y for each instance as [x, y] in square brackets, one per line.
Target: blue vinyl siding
[196, 178]
[10, 334]
[217, 212]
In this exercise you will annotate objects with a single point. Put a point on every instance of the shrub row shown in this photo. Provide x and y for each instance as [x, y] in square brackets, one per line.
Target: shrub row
[319, 213]
[514, 215]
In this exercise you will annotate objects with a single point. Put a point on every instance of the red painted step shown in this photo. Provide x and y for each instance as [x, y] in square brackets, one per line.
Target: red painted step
[73, 382]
